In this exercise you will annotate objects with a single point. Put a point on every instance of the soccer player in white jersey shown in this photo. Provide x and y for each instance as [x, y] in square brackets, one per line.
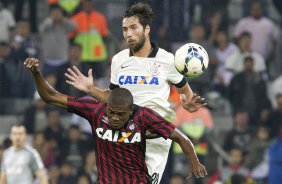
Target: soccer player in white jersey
[145, 70]
[20, 162]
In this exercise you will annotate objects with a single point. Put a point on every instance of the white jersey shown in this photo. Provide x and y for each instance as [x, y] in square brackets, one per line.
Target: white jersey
[147, 78]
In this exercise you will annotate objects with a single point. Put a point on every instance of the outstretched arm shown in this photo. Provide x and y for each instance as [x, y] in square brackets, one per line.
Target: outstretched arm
[191, 102]
[46, 92]
[86, 84]
[187, 147]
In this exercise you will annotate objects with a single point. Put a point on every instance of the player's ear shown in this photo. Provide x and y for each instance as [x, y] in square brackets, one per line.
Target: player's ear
[147, 29]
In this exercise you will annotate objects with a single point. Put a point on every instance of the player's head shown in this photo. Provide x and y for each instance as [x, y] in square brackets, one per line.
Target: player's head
[18, 135]
[256, 9]
[136, 25]
[120, 104]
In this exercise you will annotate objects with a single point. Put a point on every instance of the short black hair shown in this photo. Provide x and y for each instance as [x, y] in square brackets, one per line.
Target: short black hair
[19, 125]
[245, 34]
[142, 11]
[120, 96]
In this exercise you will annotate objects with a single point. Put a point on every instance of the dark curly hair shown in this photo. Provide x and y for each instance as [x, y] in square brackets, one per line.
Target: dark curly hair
[142, 11]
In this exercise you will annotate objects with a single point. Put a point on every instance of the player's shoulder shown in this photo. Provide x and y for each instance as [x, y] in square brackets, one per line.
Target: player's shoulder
[30, 150]
[163, 54]
[121, 56]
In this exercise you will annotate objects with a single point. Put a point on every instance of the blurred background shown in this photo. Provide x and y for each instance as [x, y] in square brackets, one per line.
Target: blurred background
[238, 136]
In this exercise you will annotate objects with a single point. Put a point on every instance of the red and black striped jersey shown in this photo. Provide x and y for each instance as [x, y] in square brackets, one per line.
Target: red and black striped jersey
[120, 153]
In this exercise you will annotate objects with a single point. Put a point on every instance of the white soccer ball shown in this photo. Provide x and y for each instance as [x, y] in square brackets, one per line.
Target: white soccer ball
[191, 60]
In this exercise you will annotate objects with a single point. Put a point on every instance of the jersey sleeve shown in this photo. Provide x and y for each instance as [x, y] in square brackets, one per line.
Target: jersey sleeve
[3, 163]
[83, 107]
[35, 161]
[114, 76]
[175, 77]
[157, 124]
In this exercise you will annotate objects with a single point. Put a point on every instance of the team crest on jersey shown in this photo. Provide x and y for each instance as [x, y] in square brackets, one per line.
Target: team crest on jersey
[105, 119]
[154, 68]
[131, 126]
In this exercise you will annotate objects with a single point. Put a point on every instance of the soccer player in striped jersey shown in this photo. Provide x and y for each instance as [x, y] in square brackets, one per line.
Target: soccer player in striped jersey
[119, 128]
[146, 71]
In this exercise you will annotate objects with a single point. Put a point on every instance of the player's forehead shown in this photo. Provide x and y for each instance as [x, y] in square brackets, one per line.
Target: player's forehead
[130, 21]
[118, 108]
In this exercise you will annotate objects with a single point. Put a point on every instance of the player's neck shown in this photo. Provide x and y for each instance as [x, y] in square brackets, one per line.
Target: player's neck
[18, 147]
[145, 51]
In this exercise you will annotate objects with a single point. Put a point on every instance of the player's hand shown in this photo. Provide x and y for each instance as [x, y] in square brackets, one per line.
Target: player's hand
[78, 80]
[194, 104]
[197, 169]
[32, 64]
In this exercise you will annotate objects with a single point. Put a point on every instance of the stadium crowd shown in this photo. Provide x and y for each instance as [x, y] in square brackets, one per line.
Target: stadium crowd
[243, 83]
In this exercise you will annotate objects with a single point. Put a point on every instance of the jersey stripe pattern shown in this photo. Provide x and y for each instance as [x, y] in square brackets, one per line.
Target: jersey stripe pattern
[120, 153]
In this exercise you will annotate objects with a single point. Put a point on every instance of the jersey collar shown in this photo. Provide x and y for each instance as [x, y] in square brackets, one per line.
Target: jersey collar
[153, 53]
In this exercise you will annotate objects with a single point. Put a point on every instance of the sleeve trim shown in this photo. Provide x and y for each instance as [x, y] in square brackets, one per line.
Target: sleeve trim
[181, 83]
[113, 86]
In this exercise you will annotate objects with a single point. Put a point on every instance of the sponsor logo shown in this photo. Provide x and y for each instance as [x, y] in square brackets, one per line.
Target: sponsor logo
[118, 136]
[124, 66]
[139, 80]
[131, 126]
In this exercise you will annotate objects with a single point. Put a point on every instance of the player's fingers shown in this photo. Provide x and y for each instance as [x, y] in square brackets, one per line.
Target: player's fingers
[70, 77]
[77, 70]
[71, 73]
[69, 82]
[189, 175]
[90, 73]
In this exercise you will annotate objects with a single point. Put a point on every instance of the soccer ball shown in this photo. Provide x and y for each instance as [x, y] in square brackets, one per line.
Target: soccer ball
[191, 60]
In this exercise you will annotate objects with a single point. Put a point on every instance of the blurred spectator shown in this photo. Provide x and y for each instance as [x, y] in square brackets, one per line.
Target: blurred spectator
[173, 17]
[195, 125]
[202, 84]
[275, 89]
[246, 6]
[255, 159]
[83, 179]
[7, 72]
[21, 162]
[69, 6]
[55, 43]
[234, 167]
[275, 117]
[66, 174]
[91, 33]
[53, 173]
[89, 168]
[223, 49]
[24, 45]
[275, 152]
[214, 25]
[235, 62]
[263, 31]
[258, 146]
[35, 112]
[177, 179]
[74, 59]
[247, 90]
[74, 147]
[19, 6]
[7, 22]
[240, 136]
[210, 7]
[162, 39]
[54, 129]
[278, 5]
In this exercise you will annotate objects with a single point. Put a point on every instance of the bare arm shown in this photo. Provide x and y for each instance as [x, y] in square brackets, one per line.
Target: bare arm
[42, 177]
[187, 147]
[46, 92]
[3, 179]
[86, 84]
[191, 102]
